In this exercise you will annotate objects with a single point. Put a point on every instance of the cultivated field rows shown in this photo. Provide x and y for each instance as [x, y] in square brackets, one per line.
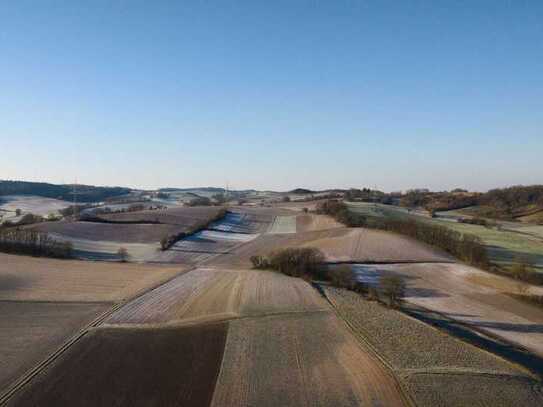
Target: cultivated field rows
[303, 360]
[436, 368]
[46, 302]
[512, 241]
[207, 293]
[24, 278]
[283, 224]
[222, 334]
[30, 331]
[310, 223]
[472, 296]
[122, 367]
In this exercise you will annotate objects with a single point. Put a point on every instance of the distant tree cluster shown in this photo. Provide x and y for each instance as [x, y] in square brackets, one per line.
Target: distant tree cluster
[31, 242]
[522, 269]
[199, 201]
[504, 203]
[513, 201]
[295, 262]
[364, 194]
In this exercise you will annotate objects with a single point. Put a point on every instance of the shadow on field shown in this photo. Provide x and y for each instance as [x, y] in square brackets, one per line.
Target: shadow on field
[501, 255]
[425, 293]
[8, 283]
[198, 239]
[88, 255]
[525, 328]
[499, 347]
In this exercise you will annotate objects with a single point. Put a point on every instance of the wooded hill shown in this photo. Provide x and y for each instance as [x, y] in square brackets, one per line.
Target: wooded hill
[85, 193]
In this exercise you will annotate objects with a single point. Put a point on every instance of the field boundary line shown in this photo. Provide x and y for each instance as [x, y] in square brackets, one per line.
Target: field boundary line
[391, 262]
[461, 372]
[60, 302]
[479, 332]
[41, 366]
[37, 369]
[372, 352]
[188, 323]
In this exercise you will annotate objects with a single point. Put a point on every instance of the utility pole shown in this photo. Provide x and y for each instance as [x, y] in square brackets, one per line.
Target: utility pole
[74, 193]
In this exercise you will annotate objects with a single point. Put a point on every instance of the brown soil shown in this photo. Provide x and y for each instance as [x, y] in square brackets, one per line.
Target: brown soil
[30, 331]
[184, 216]
[300, 360]
[339, 244]
[129, 233]
[121, 367]
[31, 278]
[309, 223]
[207, 294]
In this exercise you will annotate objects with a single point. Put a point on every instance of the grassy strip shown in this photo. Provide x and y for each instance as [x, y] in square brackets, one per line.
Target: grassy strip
[169, 241]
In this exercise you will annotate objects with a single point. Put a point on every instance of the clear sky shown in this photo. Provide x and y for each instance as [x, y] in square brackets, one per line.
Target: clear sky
[272, 94]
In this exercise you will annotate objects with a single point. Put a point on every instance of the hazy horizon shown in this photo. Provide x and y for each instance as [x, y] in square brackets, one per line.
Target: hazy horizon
[273, 96]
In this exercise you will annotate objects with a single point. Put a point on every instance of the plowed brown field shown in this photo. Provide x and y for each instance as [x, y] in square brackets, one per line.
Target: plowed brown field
[30, 331]
[308, 360]
[121, 367]
[31, 278]
[309, 223]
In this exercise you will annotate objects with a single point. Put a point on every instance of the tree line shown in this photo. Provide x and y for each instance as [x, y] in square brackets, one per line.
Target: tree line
[309, 263]
[34, 243]
[466, 247]
[168, 241]
[85, 193]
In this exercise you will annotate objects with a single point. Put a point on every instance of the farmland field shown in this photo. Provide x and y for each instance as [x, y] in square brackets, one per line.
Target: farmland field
[24, 278]
[373, 245]
[121, 367]
[338, 244]
[283, 224]
[436, 368]
[466, 389]
[36, 205]
[166, 302]
[121, 233]
[309, 223]
[205, 294]
[203, 246]
[182, 216]
[511, 242]
[30, 331]
[474, 297]
[101, 241]
[308, 360]
[224, 334]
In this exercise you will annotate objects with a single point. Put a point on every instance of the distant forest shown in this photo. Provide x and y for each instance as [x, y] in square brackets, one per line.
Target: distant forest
[506, 203]
[85, 193]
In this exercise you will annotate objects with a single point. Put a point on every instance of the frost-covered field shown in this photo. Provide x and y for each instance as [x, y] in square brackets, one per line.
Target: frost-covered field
[36, 205]
[437, 369]
[283, 224]
[469, 295]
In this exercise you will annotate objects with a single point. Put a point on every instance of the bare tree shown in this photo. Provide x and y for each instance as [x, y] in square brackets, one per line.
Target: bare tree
[393, 288]
[123, 254]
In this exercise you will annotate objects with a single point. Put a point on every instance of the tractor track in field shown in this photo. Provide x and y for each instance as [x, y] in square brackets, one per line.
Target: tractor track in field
[40, 367]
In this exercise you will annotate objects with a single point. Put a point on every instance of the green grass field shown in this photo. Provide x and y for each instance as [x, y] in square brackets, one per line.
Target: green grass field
[504, 245]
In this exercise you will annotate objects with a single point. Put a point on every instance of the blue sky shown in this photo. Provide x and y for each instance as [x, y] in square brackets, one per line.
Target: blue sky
[273, 94]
